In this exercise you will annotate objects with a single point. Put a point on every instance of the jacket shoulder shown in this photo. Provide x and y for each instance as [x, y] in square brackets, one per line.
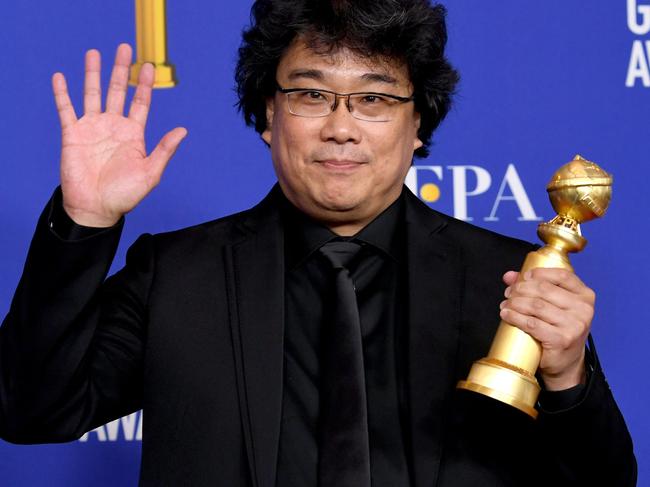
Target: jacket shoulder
[420, 213]
[478, 239]
[474, 243]
[226, 230]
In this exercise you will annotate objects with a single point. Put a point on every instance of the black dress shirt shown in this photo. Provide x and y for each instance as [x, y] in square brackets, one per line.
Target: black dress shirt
[377, 275]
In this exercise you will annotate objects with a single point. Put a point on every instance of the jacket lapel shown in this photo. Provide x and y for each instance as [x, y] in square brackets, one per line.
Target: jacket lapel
[256, 301]
[434, 290]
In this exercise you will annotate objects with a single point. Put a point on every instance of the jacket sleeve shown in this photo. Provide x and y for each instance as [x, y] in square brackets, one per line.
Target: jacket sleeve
[71, 345]
[588, 443]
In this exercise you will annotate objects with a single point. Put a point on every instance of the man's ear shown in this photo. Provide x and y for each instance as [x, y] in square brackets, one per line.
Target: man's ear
[268, 131]
[417, 143]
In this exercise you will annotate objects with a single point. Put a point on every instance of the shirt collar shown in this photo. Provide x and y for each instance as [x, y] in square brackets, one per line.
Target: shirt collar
[303, 235]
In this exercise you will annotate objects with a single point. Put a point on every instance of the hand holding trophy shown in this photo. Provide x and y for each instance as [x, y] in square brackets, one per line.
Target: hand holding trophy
[579, 191]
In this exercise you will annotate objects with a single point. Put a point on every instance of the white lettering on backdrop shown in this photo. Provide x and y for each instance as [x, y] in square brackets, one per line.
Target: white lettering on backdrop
[638, 21]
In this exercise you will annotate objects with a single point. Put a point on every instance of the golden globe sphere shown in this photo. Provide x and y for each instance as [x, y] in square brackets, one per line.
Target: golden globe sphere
[580, 190]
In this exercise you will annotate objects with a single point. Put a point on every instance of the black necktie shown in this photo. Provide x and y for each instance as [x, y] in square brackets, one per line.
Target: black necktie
[344, 453]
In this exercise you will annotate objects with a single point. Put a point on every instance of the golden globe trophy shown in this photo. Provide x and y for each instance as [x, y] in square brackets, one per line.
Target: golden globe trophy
[151, 43]
[579, 191]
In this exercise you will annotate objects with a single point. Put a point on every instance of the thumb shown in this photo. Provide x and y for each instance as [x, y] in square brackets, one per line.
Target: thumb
[164, 151]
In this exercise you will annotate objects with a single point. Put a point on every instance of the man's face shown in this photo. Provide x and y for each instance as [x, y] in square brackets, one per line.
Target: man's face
[337, 169]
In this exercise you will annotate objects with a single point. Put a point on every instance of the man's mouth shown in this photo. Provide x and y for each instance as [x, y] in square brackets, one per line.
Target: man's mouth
[340, 164]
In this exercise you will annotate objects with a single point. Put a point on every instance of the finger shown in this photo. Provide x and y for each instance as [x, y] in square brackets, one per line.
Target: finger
[164, 151]
[551, 337]
[510, 277]
[548, 313]
[581, 300]
[64, 107]
[119, 79]
[541, 290]
[92, 83]
[142, 99]
[560, 277]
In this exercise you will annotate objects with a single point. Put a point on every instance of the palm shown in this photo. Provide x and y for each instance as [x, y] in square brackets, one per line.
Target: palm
[105, 170]
[102, 157]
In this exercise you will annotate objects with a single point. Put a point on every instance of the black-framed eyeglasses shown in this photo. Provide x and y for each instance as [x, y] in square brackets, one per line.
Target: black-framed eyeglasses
[367, 106]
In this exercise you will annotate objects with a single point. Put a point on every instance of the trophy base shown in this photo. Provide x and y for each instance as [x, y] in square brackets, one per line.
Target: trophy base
[499, 381]
[165, 75]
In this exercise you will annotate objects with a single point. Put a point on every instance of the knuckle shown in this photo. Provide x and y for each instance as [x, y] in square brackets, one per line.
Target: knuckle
[153, 179]
[139, 100]
[516, 303]
[120, 70]
[141, 97]
[544, 287]
[583, 328]
[116, 86]
[583, 332]
[565, 341]
[165, 144]
[530, 323]
[587, 310]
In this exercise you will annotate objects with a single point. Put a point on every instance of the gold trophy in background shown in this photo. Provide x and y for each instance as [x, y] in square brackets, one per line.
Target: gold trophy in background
[579, 191]
[151, 43]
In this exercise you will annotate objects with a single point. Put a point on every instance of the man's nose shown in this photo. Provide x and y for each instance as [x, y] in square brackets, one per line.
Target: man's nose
[340, 126]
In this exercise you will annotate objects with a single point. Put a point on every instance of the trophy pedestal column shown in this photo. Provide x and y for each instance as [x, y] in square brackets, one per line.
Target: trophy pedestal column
[151, 43]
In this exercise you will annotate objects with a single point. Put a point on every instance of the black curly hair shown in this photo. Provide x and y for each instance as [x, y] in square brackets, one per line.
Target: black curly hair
[410, 31]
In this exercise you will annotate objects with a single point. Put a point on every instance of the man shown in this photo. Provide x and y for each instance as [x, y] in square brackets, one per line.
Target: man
[315, 339]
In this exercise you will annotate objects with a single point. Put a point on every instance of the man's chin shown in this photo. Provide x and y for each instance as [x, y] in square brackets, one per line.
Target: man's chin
[341, 205]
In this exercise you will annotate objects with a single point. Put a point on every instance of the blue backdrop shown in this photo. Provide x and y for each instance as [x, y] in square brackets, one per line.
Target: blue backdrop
[541, 81]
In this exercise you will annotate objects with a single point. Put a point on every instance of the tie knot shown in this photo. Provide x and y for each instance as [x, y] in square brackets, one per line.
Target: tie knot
[340, 252]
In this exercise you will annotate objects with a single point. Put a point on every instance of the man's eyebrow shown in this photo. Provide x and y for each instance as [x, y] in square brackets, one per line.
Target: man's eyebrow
[314, 74]
[380, 78]
[317, 75]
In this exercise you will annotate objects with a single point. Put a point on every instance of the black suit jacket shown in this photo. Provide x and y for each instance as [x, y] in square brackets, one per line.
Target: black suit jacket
[191, 331]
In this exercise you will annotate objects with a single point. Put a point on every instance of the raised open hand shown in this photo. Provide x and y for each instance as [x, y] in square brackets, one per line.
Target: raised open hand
[105, 170]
